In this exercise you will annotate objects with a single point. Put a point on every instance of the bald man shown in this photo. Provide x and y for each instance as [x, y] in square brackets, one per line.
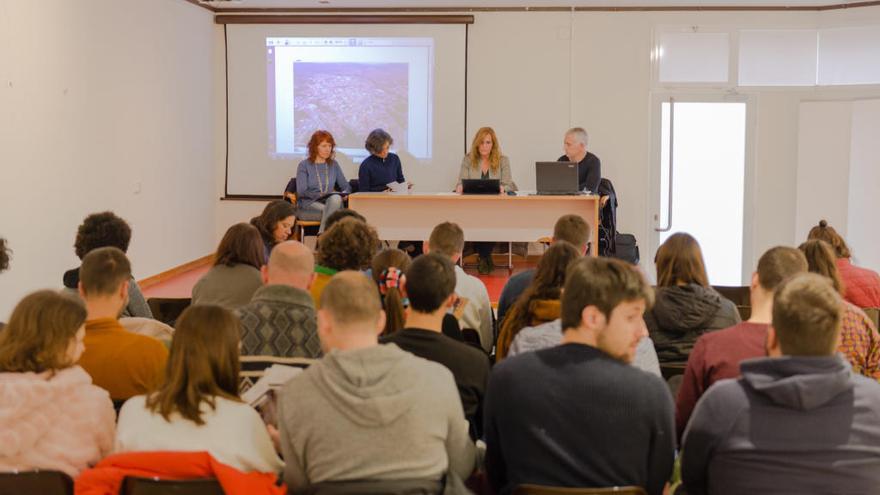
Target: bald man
[280, 319]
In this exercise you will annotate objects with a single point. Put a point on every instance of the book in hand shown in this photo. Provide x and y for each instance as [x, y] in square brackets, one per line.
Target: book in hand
[324, 196]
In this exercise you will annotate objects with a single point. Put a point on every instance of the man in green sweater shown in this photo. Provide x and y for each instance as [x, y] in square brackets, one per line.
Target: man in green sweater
[368, 412]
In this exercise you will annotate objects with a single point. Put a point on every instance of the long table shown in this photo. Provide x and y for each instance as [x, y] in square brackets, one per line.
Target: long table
[412, 216]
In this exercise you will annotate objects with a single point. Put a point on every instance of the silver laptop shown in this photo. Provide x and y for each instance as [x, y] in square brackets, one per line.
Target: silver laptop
[556, 178]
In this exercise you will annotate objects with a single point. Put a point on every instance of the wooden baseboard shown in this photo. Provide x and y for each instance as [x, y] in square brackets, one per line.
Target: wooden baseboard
[177, 270]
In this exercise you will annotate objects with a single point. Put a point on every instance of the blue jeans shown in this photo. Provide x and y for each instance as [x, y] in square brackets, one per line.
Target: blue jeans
[320, 211]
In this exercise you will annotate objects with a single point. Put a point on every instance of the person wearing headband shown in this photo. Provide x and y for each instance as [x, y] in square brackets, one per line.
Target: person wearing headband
[429, 284]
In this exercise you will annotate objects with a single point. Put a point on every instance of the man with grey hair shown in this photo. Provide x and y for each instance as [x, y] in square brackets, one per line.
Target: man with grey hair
[280, 319]
[382, 167]
[589, 166]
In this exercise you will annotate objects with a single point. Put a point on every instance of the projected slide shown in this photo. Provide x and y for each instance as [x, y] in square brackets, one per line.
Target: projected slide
[349, 86]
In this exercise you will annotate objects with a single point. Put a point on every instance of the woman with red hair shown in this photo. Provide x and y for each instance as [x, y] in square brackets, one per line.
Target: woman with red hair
[316, 178]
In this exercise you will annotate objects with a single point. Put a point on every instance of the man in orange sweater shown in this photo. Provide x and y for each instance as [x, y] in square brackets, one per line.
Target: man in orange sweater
[124, 363]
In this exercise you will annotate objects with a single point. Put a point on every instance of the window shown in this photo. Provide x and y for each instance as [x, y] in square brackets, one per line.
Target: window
[694, 57]
[782, 57]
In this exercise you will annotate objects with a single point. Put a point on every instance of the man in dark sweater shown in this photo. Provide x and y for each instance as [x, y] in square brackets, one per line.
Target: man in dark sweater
[577, 415]
[430, 288]
[589, 166]
[717, 355]
[799, 421]
[570, 228]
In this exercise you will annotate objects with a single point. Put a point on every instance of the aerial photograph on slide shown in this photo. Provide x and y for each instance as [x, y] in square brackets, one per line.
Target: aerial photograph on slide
[350, 99]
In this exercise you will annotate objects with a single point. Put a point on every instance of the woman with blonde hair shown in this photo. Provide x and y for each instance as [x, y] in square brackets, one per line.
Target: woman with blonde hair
[485, 161]
[861, 285]
[199, 408]
[51, 415]
[859, 341]
[686, 306]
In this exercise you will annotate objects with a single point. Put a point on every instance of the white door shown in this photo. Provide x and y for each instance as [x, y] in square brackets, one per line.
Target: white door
[700, 179]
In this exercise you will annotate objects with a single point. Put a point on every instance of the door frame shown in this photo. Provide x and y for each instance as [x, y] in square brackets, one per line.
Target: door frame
[657, 98]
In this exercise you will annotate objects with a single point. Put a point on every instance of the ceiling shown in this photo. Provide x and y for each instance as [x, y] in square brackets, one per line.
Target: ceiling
[423, 4]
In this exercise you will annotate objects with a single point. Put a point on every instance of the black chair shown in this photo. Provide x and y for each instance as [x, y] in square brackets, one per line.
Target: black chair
[389, 487]
[149, 486]
[556, 490]
[167, 309]
[740, 296]
[36, 482]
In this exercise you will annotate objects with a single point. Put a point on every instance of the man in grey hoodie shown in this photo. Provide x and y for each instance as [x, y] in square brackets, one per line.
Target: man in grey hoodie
[369, 411]
[798, 421]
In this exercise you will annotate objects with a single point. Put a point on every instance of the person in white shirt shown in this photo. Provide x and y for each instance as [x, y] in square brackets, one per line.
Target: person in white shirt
[198, 408]
[447, 239]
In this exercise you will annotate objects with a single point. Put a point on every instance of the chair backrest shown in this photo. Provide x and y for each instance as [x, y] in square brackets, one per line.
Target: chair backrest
[166, 309]
[253, 368]
[874, 314]
[32, 482]
[149, 486]
[738, 295]
[389, 487]
[556, 490]
[289, 193]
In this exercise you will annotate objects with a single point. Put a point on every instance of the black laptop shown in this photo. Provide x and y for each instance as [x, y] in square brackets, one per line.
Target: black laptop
[480, 186]
[556, 178]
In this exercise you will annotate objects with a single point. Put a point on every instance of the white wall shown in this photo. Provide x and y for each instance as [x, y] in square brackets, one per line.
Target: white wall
[863, 235]
[97, 98]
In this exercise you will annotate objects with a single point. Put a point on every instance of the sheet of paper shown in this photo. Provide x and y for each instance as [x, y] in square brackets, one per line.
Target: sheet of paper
[397, 187]
[274, 377]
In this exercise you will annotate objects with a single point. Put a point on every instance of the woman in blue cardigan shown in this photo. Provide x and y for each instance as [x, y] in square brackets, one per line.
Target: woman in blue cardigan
[316, 177]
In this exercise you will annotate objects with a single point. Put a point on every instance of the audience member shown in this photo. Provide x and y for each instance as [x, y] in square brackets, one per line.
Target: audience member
[280, 319]
[570, 228]
[686, 305]
[51, 416]
[105, 229]
[717, 355]
[123, 363]
[861, 285]
[430, 287]
[365, 411]
[5, 254]
[343, 213]
[540, 302]
[274, 225]
[799, 421]
[447, 239]
[317, 178]
[589, 166]
[577, 415]
[388, 270]
[198, 407]
[348, 245]
[859, 342]
[235, 276]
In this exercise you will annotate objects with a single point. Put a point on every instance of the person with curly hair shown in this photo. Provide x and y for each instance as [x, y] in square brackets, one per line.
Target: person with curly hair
[106, 229]
[5, 254]
[348, 245]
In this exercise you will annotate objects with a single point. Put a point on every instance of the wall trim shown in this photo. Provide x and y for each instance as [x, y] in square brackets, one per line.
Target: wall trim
[343, 19]
[177, 270]
[634, 8]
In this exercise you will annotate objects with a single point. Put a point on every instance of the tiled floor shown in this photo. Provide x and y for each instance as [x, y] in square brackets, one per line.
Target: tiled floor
[181, 285]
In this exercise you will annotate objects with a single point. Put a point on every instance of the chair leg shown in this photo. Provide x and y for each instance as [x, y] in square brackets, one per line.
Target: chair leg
[509, 257]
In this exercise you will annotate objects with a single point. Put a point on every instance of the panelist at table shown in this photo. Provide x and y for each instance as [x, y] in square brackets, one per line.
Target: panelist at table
[382, 167]
[316, 177]
[485, 161]
[589, 166]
